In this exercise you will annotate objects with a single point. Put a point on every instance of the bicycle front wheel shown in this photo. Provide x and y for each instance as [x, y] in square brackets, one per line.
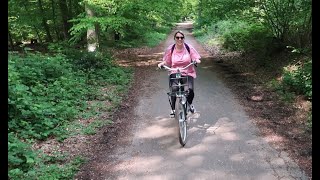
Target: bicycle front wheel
[181, 119]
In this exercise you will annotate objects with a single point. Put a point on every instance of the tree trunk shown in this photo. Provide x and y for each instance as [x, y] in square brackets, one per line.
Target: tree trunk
[56, 31]
[70, 10]
[310, 30]
[44, 22]
[38, 34]
[92, 33]
[116, 36]
[10, 40]
[65, 18]
[200, 9]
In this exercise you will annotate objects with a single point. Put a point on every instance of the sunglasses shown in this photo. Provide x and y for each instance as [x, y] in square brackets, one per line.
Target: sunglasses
[177, 37]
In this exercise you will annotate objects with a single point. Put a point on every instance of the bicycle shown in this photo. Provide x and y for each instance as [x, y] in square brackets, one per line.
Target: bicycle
[180, 111]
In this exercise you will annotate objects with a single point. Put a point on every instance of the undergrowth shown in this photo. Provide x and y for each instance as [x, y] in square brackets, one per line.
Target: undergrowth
[47, 93]
[254, 39]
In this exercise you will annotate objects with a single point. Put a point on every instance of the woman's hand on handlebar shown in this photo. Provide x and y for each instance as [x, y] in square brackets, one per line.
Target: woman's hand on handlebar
[160, 65]
[196, 61]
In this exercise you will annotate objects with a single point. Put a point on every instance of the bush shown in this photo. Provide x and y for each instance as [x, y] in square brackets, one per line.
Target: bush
[24, 163]
[298, 78]
[201, 31]
[43, 93]
[35, 68]
[154, 38]
[21, 158]
[247, 37]
[86, 61]
[238, 35]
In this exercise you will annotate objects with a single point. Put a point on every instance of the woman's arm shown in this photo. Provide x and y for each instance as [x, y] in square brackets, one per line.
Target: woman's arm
[195, 56]
[166, 60]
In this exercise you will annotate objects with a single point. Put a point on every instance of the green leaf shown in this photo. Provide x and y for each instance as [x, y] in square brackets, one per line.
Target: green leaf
[21, 87]
[29, 160]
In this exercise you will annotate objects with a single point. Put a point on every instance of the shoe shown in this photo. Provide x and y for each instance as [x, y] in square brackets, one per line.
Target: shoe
[192, 109]
[172, 113]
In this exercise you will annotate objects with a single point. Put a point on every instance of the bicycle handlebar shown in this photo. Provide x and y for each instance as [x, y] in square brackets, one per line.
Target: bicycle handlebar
[178, 69]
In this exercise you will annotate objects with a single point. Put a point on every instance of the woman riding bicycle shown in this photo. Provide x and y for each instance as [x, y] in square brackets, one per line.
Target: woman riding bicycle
[179, 55]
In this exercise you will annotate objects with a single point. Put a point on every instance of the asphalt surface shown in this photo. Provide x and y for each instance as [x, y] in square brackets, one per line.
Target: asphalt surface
[222, 142]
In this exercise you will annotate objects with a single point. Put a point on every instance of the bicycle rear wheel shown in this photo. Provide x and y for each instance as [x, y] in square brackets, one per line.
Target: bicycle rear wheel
[181, 119]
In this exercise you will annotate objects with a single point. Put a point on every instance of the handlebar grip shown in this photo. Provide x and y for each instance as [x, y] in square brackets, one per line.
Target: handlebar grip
[195, 63]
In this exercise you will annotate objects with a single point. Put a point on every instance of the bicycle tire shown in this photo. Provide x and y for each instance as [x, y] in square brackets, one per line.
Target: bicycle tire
[181, 119]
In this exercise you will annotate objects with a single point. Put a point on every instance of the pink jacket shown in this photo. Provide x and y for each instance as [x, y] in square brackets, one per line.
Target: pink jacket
[181, 59]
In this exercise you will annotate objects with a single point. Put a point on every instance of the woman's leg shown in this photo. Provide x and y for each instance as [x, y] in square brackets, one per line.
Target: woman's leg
[191, 89]
[173, 89]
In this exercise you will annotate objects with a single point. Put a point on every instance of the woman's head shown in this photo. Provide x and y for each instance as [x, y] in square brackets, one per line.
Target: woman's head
[179, 36]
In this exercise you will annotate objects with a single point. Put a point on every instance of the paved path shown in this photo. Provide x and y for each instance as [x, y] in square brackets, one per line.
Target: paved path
[222, 141]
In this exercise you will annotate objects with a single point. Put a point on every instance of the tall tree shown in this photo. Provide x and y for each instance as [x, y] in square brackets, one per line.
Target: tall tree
[65, 17]
[92, 32]
[44, 21]
[56, 29]
[10, 40]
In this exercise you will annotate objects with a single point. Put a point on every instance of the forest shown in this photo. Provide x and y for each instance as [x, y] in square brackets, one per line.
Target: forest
[60, 54]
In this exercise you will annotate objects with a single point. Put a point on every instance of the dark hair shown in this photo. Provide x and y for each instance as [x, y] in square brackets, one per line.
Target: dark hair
[177, 33]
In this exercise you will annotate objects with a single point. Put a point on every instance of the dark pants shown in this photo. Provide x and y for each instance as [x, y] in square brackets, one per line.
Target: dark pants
[174, 89]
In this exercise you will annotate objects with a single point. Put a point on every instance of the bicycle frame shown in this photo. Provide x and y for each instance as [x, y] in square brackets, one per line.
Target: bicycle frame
[181, 99]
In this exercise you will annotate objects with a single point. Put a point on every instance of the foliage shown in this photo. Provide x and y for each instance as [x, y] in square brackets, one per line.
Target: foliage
[199, 32]
[21, 157]
[83, 23]
[246, 37]
[188, 10]
[147, 38]
[298, 78]
[238, 35]
[43, 93]
[131, 20]
[263, 28]
[59, 47]
[86, 61]
[46, 93]
[212, 11]
[23, 163]
[153, 38]
[286, 22]
[27, 19]
[290, 21]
